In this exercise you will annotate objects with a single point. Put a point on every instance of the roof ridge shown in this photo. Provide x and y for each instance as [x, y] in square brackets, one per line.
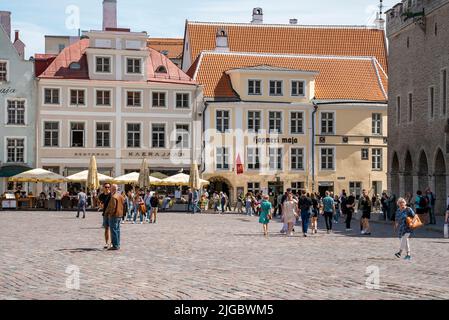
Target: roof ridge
[286, 55]
[379, 80]
[309, 26]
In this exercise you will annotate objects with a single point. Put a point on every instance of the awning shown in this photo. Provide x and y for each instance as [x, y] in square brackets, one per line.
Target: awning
[11, 171]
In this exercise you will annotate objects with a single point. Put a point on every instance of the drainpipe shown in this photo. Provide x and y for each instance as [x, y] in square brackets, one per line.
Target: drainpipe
[315, 107]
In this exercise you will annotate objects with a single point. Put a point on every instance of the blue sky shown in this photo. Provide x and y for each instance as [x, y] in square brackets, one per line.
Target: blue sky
[36, 18]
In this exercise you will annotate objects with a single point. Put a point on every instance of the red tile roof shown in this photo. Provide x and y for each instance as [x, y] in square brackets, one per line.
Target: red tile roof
[339, 78]
[173, 46]
[290, 39]
[59, 68]
[42, 62]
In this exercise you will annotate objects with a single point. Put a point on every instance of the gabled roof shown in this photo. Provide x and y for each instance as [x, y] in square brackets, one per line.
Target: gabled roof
[173, 46]
[339, 78]
[59, 68]
[290, 39]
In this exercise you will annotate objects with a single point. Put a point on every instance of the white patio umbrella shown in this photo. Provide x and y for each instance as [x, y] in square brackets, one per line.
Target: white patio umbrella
[38, 175]
[133, 178]
[180, 179]
[81, 177]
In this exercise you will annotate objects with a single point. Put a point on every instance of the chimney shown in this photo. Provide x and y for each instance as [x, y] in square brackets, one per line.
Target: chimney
[109, 14]
[293, 21]
[257, 16]
[222, 44]
[19, 45]
[5, 22]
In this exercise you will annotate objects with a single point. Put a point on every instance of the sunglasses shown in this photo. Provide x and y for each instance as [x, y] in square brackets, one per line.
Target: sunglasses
[107, 187]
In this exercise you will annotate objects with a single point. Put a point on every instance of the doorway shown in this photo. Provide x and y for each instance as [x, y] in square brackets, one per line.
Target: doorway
[275, 188]
[325, 186]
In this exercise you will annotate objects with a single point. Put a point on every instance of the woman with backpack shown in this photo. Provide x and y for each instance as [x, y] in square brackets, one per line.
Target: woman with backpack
[404, 230]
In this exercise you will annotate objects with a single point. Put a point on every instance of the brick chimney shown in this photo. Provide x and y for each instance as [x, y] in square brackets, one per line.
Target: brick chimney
[19, 45]
[109, 14]
[222, 44]
[5, 22]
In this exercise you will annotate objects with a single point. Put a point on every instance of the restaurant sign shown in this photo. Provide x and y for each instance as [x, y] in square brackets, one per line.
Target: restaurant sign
[157, 154]
[6, 91]
[90, 154]
[276, 140]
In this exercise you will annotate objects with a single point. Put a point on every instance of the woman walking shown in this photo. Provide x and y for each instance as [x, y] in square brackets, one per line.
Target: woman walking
[249, 204]
[404, 230]
[129, 205]
[154, 201]
[337, 204]
[290, 213]
[138, 202]
[315, 212]
[265, 214]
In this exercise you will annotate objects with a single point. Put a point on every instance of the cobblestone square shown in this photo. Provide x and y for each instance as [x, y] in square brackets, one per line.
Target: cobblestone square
[211, 257]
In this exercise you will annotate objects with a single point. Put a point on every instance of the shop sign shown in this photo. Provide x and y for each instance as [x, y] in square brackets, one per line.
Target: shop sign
[155, 154]
[276, 140]
[6, 91]
[90, 154]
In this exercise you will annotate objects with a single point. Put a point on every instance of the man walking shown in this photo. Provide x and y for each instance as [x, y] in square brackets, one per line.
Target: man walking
[190, 200]
[114, 212]
[328, 211]
[431, 206]
[58, 199]
[350, 205]
[304, 204]
[104, 199]
[196, 200]
[365, 205]
[82, 202]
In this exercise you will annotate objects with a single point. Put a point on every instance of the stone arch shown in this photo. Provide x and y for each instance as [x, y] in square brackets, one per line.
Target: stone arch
[394, 173]
[440, 174]
[408, 174]
[423, 172]
[221, 184]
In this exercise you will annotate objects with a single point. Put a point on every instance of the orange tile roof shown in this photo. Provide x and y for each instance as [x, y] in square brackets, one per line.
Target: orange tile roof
[76, 52]
[174, 46]
[339, 78]
[290, 39]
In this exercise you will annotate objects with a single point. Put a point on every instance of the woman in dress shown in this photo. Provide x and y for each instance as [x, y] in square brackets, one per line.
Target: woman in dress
[265, 213]
[404, 231]
[290, 213]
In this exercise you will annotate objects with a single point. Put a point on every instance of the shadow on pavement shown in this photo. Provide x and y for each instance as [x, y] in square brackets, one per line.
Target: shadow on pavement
[79, 250]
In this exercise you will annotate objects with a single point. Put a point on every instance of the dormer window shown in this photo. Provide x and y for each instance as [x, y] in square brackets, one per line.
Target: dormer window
[103, 64]
[134, 65]
[298, 88]
[75, 66]
[161, 69]
[254, 87]
[276, 88]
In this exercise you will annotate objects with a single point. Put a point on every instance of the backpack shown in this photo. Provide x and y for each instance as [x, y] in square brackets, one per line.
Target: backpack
[423, 202]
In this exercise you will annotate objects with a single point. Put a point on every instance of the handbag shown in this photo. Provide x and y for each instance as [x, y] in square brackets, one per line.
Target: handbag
[414, 223]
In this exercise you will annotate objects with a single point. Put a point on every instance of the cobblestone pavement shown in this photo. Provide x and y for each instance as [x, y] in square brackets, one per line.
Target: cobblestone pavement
[211, 257]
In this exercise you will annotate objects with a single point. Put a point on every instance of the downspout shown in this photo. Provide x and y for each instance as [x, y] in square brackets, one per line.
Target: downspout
[315, 107]
[203, 142]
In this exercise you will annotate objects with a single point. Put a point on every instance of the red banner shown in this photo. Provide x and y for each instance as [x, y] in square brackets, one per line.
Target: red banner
[239, 165]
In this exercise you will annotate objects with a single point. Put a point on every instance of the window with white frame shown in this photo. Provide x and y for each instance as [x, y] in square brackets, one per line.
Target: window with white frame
[183, 100]
[104, 98]
[158, 135]
[51, 134]
[134, 99]
[77, 97]
[356, 188]
[298, 187]
[298, 88]
[15, 150]
[3, 71]
[133, 135]
[377, 124]
[275, 121]
[253, 158]
[297, 158]
[254, 121]
[327, 159]
[297, 122]
[103, 138]
[377, 159]
[134, 65]
[254, 187]
[276, 88]
[51, 96]
[182, 135]
[222, 117]
[159, 99]
[103, 64]
[254, 87]
[77, 134]
[275, 158]
[222, 158]
[16, 112]
[327, 123]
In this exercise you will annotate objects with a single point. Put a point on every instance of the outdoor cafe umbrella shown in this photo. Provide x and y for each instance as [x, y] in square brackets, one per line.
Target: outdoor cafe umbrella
[194, 179]
[180, 179]
[93, 183]
[133, 178]
[144, 175]
[81, 177]
[38, 175]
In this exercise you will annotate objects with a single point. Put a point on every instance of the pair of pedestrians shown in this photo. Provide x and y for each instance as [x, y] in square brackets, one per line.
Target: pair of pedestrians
[113, 212]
